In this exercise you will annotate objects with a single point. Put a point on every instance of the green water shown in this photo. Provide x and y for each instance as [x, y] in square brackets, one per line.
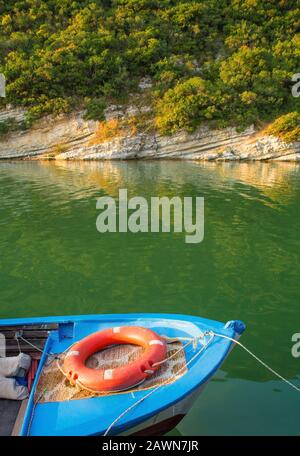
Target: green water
[53, 262]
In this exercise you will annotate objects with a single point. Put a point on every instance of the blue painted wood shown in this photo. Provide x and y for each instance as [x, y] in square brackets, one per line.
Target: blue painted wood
[93, 416]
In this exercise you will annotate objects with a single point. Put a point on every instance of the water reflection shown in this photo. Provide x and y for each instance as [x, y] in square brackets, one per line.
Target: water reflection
[81, 179]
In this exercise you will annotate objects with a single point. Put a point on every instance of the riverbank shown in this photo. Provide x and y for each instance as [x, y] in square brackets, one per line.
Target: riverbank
[69, 137]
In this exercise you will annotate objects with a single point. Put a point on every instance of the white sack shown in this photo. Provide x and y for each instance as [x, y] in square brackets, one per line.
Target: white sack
[15, 366]
[10, 389]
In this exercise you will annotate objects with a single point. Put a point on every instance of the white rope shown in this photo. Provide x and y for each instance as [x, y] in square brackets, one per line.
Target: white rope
[175, 339]
[174, 354]
[32, 345]
[56, 356]
[259, 360]
[191, 340]
[83, 387]
[17, 339]
[157, 387]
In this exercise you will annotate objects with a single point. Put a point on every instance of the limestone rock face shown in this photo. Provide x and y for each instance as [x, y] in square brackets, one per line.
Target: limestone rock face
[17, 114]
[45, 136]
[70, 137]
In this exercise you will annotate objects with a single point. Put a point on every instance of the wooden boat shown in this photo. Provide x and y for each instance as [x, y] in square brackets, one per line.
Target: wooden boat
[196, 349]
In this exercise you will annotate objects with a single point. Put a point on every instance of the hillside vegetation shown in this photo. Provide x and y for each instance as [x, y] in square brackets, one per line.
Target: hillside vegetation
[229, 62]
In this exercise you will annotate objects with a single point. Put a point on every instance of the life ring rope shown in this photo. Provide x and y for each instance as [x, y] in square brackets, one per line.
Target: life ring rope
[120, 378]
[170, 339]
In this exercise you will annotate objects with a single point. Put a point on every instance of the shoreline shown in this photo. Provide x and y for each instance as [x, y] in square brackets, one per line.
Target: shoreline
[70, 137]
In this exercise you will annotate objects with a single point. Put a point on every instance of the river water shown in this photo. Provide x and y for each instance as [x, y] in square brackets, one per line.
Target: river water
[53, 261]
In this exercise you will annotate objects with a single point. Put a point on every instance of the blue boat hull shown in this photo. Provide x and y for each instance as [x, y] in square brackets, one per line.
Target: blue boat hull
[93, 416]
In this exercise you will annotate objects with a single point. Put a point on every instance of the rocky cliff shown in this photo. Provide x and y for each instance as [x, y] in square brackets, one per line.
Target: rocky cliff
[70, 137]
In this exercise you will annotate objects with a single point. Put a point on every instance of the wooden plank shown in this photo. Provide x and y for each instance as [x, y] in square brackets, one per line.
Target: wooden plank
[9, 410]
[35, 334]
[42, 334]
[47, 327]
[12, 348]
[33, 355]
[35, 342]
[19, 420]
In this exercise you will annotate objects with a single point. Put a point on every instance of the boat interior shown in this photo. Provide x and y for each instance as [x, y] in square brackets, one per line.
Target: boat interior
[12, 411]
[31, 339]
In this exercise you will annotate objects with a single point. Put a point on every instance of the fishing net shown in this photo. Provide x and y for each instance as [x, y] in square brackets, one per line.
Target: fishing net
[54, 387]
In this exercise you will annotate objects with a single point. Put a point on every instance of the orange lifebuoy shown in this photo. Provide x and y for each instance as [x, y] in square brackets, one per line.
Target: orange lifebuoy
[120, 378]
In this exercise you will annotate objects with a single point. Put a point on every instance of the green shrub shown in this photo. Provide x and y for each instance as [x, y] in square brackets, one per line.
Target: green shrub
[95, 110]
[183, 107]
[286, 127]
[60, 54]
[8, 125]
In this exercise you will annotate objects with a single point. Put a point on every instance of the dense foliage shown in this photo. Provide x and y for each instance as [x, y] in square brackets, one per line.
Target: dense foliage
[226, 61]
[286, 127]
